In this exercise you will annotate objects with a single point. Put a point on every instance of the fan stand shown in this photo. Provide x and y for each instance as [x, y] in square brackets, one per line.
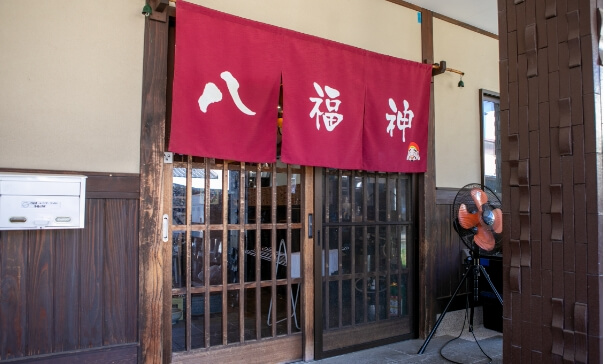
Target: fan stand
[476, 269]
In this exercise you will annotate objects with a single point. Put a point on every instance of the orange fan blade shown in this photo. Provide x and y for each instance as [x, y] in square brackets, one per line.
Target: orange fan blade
[484, 239]
[466, 219]
[479, 197]
[497, 225]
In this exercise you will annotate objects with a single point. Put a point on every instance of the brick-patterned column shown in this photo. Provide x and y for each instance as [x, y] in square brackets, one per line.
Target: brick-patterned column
[552, 172]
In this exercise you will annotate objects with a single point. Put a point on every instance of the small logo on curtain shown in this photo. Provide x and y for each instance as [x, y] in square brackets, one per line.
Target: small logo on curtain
[413, 152]
[331, 118]
[403, 118]
[212, 94]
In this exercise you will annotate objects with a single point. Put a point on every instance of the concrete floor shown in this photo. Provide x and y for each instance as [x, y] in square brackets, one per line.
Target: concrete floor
[463, 349]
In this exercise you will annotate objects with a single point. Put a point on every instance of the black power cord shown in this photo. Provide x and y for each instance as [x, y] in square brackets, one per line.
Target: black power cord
[460, 334]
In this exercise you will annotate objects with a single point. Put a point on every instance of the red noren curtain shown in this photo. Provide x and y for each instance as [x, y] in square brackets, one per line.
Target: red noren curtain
[343, 107]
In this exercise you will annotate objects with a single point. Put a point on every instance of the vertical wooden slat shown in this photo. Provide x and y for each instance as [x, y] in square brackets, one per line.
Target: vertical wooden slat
[289, 249]
[353, 250]
[243, 208]
[167, 253]
[115, 273]
[13, 290]
[225, 249]
[39, 293]
[91, 278]
[325, 269]
[66, 293]
[129, 237]
[307, 247]
[151, 261]
[273, 250]
[257, 248]
[207, 240]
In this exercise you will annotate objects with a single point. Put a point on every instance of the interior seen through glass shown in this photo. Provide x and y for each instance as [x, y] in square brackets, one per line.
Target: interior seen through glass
[236, 232]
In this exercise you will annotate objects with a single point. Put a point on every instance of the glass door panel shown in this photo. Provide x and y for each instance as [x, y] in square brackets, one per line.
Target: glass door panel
[236, 241]
[366, 273]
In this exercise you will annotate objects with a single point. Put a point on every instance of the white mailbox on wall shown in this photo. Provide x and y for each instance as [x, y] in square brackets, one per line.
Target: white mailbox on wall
[41, 201]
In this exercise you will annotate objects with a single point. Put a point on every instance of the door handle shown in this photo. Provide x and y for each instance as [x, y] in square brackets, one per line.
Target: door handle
[165, 228]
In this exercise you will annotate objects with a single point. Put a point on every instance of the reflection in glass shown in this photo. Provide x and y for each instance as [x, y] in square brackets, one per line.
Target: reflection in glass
[296, 193]
[179, 196]
[216, 196]
[360, 264]
[345, 252]
[250, 306]
[233, 200]
[250, 197]
[221, 258]
[197, 321]
[403, 242]
[265, 253]
[358, 206]
[371, 250]
[198, 186]
[333, 302]
[265, 329]
[403, 199]
[371, 199]
[178, 323]
[382, 308]
[232, 256]
[215, 250]
[197, 258]
[250, 262]
[381, 199]
[382, 248]
[178, 258]
[233, 317]
[331, 197]
[392, 200]
[345, 197]
[366, 217]
[491, 147]
[394, 296]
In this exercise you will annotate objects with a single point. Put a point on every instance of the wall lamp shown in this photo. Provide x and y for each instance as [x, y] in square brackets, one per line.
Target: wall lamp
[439, 68]
[155, 6]
[147, 9]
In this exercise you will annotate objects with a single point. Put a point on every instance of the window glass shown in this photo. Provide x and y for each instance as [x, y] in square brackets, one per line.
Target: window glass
[490, 141]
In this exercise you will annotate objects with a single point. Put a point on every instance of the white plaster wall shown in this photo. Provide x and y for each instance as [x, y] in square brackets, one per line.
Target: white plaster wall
[71, 70]
[71, 84]
[457, 119]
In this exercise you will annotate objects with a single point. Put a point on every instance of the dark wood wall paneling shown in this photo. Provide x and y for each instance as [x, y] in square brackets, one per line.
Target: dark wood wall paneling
[552, 180]
[448, 256]
[73, 292]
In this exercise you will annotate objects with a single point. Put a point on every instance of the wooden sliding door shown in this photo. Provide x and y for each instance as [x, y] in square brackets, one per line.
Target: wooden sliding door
[236, 273]
[365, 268]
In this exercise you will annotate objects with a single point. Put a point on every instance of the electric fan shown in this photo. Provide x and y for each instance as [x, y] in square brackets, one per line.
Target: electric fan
[478, 218]
[478, 221]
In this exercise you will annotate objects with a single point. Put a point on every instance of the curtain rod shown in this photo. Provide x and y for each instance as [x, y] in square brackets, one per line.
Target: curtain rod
[438, 66]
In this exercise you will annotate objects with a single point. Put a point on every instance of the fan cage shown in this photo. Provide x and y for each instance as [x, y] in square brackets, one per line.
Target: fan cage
[467, 235]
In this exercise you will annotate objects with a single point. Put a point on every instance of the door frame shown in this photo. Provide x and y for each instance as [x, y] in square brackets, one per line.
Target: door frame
[374, 329]
[260, 351]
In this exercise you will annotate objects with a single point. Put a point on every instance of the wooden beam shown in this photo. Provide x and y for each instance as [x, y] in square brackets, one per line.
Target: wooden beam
[159, 10]
[427, 205]
[151, 262]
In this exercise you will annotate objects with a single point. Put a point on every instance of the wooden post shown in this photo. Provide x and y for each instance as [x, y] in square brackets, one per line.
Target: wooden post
[151, 260]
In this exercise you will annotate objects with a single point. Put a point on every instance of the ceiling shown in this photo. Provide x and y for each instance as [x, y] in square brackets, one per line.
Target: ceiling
[482, 14]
